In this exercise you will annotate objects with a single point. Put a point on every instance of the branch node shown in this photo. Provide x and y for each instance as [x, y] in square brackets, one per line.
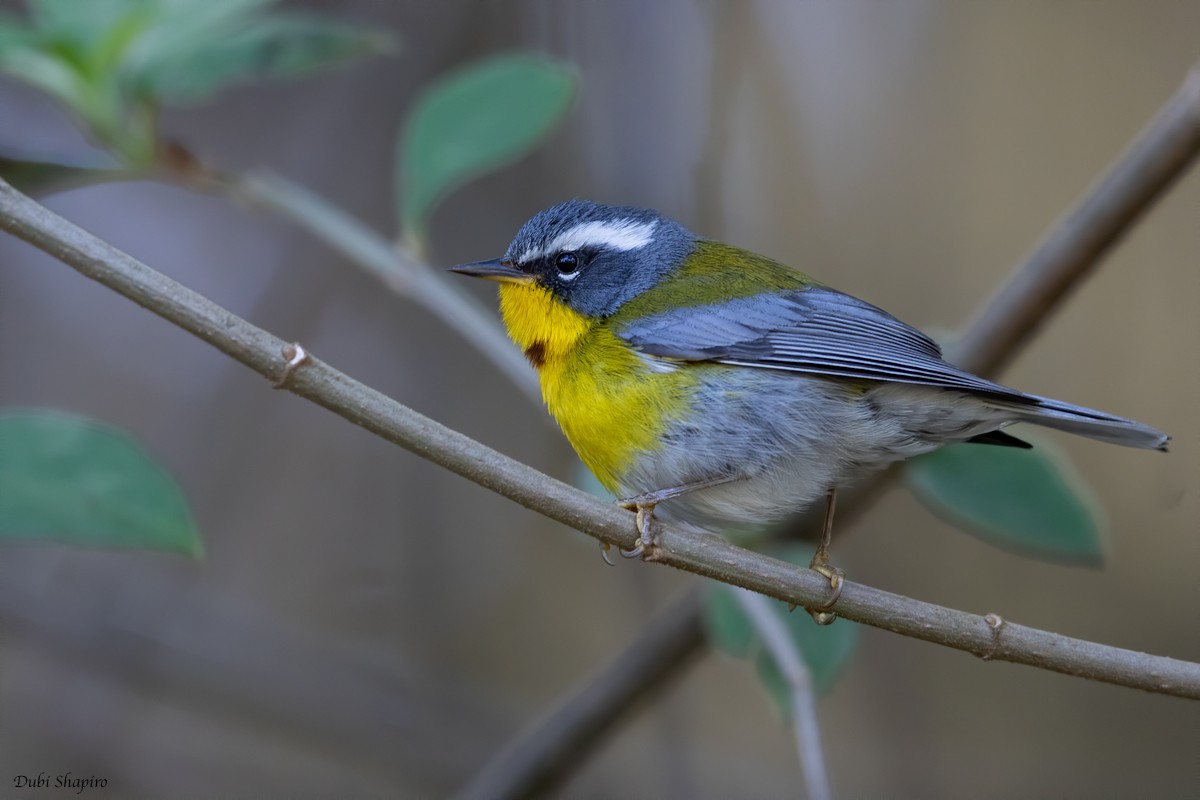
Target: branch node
[295, 355]
[995, 622]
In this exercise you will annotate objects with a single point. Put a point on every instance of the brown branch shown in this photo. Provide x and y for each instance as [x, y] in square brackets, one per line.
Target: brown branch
[536, 763]
[706, 555]
[1159, 155]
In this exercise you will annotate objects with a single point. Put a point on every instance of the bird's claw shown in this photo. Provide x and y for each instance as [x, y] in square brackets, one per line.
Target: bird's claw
[645, 518]
[634, 553]
[824, 613]
[645, 515]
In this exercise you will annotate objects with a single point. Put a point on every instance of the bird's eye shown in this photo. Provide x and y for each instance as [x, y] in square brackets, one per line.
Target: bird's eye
[567, 263]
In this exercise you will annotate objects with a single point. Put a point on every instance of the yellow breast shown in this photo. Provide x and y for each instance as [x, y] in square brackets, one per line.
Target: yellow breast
[609, 401]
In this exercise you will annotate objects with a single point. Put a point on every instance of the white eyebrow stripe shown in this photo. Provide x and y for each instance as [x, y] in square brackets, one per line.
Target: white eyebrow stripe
[617, 234]
[528, 255]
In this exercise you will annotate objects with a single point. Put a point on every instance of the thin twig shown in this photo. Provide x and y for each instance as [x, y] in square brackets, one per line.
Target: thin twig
[566, 734]
[393, 264]
[781, 646]
[701, 554]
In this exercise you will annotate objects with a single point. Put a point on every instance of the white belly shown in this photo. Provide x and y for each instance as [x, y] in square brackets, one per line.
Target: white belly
[790, 438]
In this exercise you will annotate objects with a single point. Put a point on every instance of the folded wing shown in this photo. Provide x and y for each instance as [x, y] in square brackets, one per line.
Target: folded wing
[820, 331]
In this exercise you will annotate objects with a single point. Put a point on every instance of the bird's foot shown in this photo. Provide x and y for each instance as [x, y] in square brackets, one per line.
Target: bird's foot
[824, 613]
[643, 506]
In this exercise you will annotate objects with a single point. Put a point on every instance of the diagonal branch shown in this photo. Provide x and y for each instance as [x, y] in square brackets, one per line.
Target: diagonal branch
[395, 265]
[536, 764]
[1159, 155]
[705, 555]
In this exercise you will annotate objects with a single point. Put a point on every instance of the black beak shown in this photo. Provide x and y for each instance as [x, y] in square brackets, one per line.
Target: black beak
[498, 269]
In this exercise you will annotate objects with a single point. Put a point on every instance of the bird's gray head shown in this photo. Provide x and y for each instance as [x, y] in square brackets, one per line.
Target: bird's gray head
[596, 257]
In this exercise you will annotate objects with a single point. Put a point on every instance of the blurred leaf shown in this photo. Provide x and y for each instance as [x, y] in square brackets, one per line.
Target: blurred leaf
[182, 26]
[826, 649]
[74, 59]
[726, 625]
[113, 62]
[46, 72]
[73, 480]
[105, 52]
[89, 36]
[62, 15]
[195, 65]
[1031, 501]
[45, 177]
[99, 104]
[476, 120]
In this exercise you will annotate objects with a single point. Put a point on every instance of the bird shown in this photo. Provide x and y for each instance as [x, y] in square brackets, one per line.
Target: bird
[723, 389]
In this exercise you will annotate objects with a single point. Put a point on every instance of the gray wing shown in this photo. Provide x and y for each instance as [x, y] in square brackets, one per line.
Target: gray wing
[816, 331]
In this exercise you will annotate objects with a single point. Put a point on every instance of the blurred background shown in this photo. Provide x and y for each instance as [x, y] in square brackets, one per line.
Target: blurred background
[365, 624]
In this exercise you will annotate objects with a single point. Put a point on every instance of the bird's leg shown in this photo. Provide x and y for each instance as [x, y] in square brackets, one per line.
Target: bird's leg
[824, 614]
[644, 505]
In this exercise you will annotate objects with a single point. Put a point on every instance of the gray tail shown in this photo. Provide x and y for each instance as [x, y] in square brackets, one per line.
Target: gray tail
[1086, 422]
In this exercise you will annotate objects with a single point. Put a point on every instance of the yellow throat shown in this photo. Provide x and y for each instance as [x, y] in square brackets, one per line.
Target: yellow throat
[606, 397]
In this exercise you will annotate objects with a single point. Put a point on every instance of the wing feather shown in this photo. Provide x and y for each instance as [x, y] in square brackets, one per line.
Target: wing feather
[817, 331]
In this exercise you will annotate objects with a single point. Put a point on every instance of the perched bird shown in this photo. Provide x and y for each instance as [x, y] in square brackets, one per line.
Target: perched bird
[729, 387]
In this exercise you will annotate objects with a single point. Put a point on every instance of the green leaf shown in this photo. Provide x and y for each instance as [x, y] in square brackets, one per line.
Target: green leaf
[106, 49]
[1031, 501]
[53, 16]
[90, 36]
[81, 75]
[826, 649]
[46, 72]
[726, 625]
[114, 62]
[70, 479]
[177, 68]
[473, 121]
